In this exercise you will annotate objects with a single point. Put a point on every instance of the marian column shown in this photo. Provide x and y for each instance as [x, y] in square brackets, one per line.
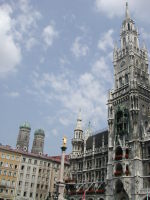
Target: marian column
[61, 184]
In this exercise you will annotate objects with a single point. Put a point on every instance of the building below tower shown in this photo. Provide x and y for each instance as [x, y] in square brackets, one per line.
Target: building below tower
[28, 176]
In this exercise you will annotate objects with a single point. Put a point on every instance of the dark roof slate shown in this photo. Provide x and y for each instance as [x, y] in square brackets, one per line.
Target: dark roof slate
[98, 140]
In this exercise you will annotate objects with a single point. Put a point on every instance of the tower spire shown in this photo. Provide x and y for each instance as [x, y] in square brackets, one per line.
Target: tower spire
[79, 121]
[127, 11]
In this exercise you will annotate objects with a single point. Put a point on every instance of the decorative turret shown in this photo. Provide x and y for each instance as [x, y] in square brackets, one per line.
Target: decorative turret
[127, 11]
[129, 34]
[130, 60]
[38, 142]
[23, 137]
[77, 141]
[79, 122]
[88, 131]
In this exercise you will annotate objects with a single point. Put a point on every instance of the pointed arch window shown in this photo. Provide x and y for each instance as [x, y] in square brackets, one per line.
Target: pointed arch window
[120, 81]
[119, 170]
[121, 123]
[126, 79]
[128, 27]
[119, 153]
[124, 41]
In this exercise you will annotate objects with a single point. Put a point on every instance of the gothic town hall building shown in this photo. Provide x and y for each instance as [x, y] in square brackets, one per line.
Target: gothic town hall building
[115, 164]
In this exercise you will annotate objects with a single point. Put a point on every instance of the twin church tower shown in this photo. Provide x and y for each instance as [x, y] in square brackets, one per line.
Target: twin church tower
[24, 137]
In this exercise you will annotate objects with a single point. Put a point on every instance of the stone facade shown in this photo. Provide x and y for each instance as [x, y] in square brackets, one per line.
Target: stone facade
[28, 176]
[38, 176]
[10, 161]
[88, 162]
[119, 166]
[34, 177]
[129, 118]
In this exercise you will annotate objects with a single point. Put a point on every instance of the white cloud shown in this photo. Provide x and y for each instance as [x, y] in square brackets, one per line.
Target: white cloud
[31, 42]
[54, 132]
[106, 41]
[10, 53]
[26, 20]
[115, 8]
[13, 94]
[145, 35]
[42, 59]
[88, 92]
[101, 69]
[64, 61]
[110, 7]
[49, 34]
[79, 49]
[17, 29]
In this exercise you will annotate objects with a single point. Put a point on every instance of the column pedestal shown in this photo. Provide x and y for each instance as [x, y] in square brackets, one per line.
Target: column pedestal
[61, 187]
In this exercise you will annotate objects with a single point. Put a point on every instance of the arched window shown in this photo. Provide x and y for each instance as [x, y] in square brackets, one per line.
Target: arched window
[119, 153]
[128, 26]
[110, 110]
[122, 124]
[124, 41]
[126, 79]
[120, 81]
[119, 170]
[146, 124]
[143, 109]
[127, 154]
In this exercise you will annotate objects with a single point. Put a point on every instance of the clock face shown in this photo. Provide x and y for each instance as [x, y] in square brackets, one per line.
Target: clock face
[25, 148]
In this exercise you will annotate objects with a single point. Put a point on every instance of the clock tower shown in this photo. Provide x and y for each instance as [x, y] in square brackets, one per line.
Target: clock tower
[128, 115]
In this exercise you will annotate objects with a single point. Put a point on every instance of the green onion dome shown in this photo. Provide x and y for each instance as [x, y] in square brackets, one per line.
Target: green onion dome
[25, 125]
[39, 132]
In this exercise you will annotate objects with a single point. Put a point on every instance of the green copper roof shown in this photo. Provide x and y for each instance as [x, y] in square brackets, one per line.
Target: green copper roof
[25, 125]
[39, 132]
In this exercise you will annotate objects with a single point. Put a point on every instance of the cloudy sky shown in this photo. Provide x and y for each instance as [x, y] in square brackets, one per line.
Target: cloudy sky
[55, 58]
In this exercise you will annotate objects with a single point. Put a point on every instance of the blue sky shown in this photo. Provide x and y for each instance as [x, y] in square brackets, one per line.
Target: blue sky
[55, 58]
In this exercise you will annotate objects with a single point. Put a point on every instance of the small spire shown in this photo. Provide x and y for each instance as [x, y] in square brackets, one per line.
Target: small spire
[88, 131]
[115, 46]
[79, 114]
[144, 46]
[127, 11]
[89, 125]
[79, 121]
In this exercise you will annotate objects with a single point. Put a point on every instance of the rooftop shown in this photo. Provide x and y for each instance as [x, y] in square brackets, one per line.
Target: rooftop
[33, 155]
